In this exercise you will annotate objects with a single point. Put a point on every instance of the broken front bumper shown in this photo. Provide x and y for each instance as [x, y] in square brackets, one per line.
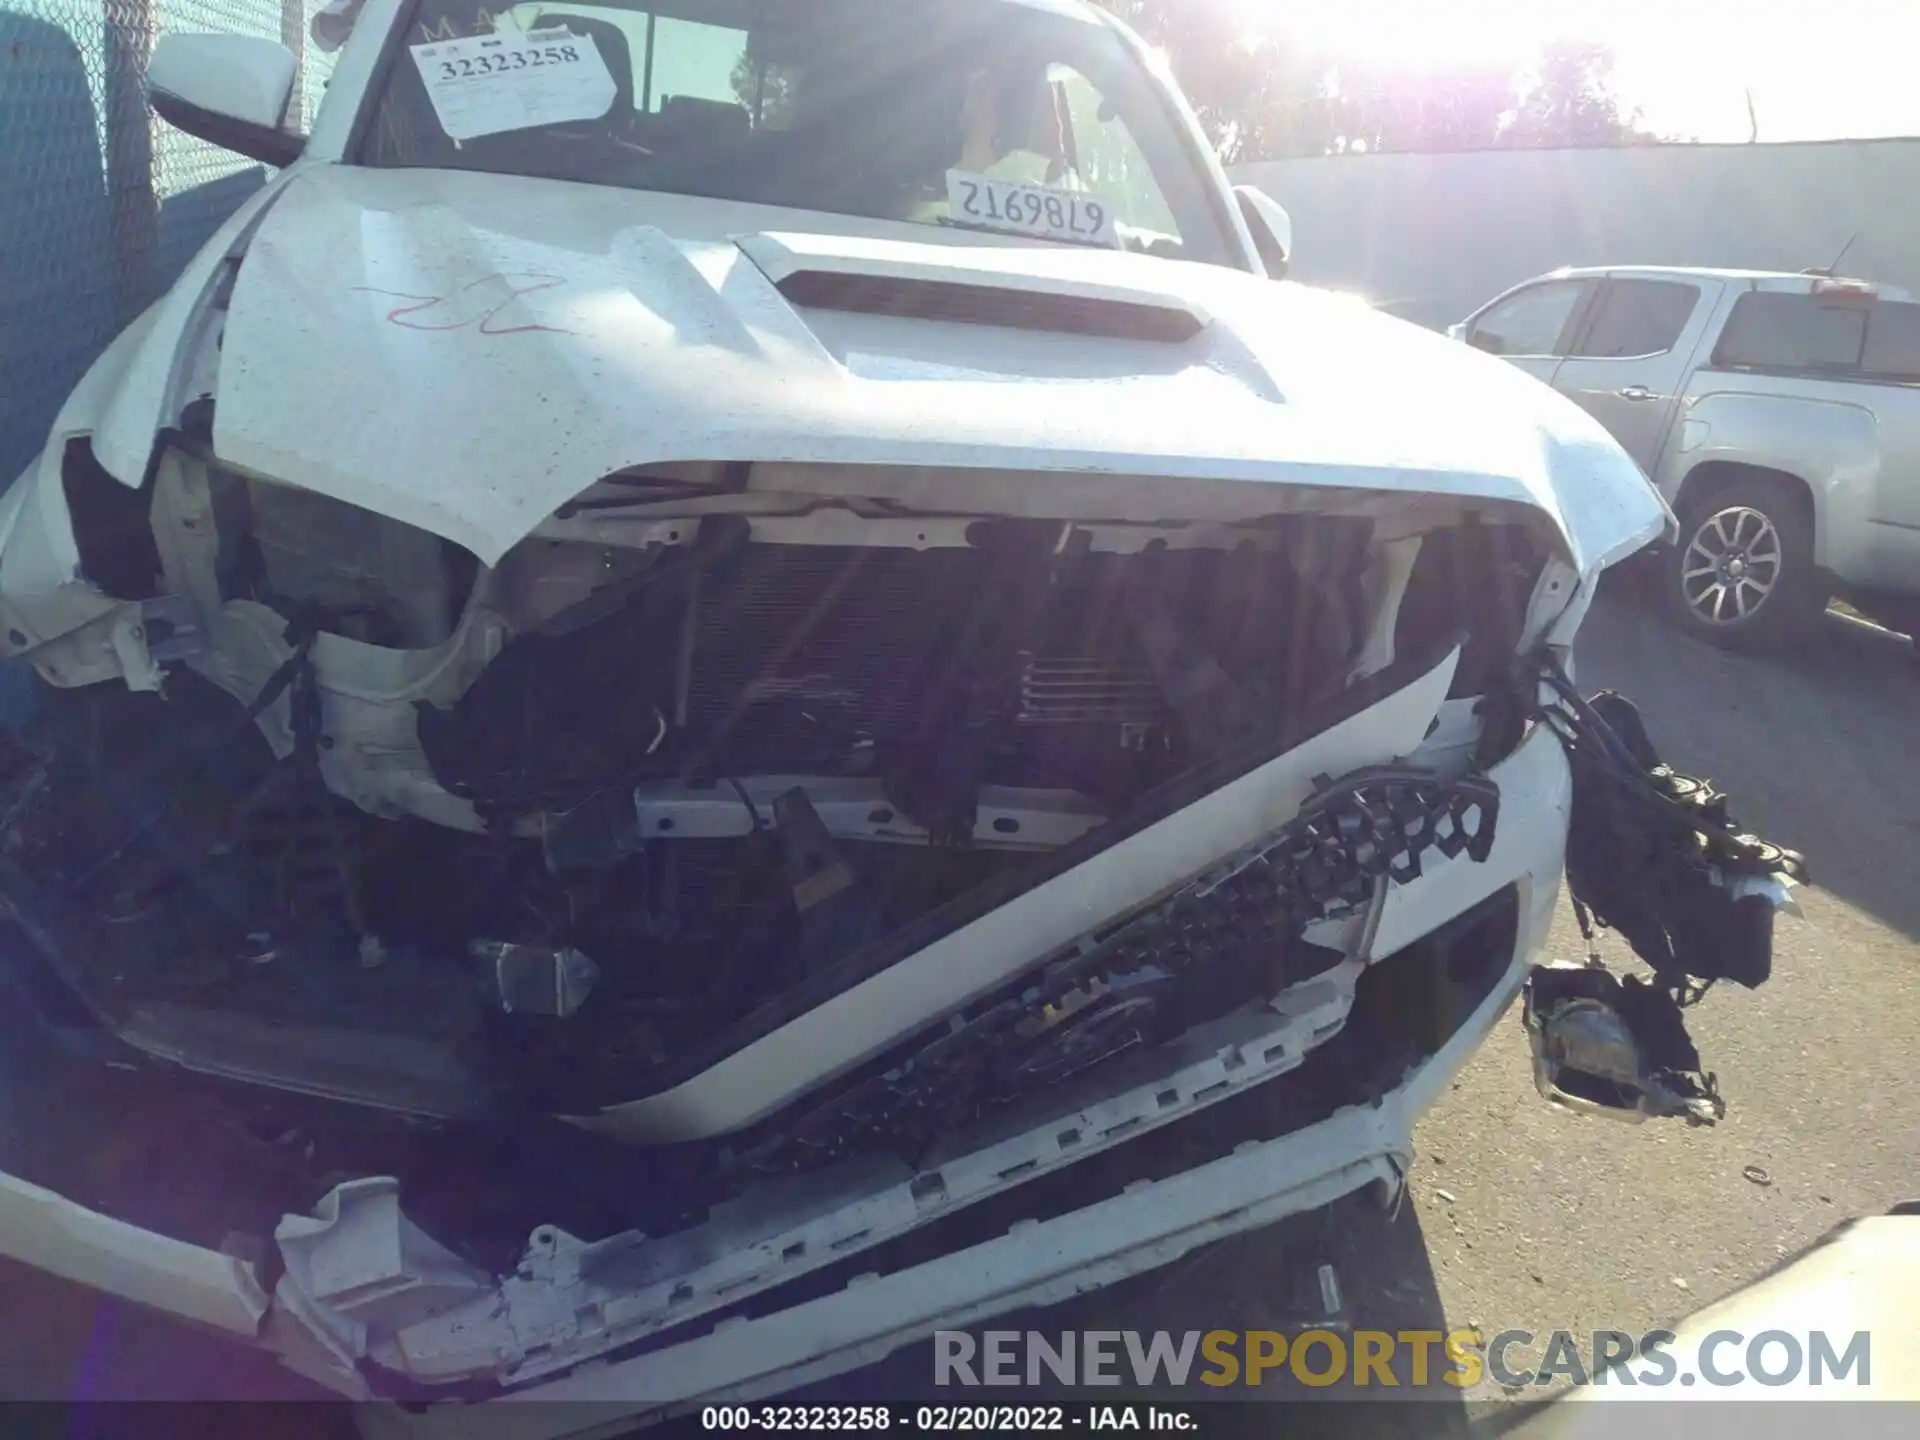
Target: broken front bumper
[365, 1294]
[1141, 1229]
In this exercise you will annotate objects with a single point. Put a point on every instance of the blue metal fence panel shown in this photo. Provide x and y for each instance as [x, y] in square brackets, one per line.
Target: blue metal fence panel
[100, 204]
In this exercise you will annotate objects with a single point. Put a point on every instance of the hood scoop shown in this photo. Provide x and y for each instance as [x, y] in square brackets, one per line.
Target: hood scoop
[1023, 289]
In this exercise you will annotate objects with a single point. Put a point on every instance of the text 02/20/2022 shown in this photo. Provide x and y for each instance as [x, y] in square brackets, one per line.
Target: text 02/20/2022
[948, 1419]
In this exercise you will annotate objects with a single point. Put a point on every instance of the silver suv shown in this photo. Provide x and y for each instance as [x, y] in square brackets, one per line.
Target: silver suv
[1779, 414]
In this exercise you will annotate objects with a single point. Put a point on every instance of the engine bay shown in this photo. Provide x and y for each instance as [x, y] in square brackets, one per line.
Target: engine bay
[672, 784]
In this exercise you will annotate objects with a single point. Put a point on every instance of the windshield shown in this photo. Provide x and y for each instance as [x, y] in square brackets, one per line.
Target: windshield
[982, 114]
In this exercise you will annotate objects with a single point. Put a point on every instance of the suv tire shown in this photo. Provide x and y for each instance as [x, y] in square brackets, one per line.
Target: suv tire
[1742, 574]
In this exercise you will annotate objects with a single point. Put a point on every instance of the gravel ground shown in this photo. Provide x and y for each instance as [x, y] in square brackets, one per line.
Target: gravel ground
[1522, 1217]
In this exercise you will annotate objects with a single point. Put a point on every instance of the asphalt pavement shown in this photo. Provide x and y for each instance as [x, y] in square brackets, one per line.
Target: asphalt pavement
[1524, 1217]
[1538, 1220]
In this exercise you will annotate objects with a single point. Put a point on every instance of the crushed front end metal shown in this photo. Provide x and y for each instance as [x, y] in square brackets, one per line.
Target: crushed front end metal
[982, 1108]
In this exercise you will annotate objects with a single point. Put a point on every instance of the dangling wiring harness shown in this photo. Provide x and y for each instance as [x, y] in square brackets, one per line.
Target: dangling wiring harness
[1655, 856]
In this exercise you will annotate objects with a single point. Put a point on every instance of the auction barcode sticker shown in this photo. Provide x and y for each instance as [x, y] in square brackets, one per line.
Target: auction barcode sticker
[489, 84]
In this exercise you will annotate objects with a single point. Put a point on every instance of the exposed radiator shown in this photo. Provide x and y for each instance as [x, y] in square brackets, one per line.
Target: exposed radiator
[805, 647]
[1001, 662]
[1080, 689]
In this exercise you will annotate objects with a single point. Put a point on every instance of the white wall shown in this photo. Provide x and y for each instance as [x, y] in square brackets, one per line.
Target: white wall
[1432, 236]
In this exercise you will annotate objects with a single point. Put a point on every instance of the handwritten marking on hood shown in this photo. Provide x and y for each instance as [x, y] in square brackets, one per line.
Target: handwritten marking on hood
[478, 305]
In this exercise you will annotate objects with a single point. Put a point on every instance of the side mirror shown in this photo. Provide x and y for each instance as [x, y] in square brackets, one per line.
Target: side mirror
[230, 89]
[1272, 228]
[1457, 330]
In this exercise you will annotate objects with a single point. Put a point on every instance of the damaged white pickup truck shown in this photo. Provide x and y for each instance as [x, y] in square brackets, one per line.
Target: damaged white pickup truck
[718, 649]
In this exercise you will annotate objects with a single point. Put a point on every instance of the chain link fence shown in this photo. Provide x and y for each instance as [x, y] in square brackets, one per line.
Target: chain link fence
[101, 204]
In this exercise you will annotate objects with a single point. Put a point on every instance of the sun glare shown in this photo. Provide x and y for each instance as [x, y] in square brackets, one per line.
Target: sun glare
[1708, 69]
[1411, 32]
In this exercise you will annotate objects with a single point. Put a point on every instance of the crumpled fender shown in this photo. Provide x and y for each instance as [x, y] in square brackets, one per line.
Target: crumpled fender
[127, 397]
[144, 396]
[122, 403]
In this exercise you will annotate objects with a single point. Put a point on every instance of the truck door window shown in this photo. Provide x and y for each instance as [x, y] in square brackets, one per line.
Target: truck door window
[1772, 330]
[1529, 321]
[1634, 318]
[1893, 342]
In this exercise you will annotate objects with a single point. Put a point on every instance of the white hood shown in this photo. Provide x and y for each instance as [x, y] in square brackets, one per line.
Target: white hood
[467, 352]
